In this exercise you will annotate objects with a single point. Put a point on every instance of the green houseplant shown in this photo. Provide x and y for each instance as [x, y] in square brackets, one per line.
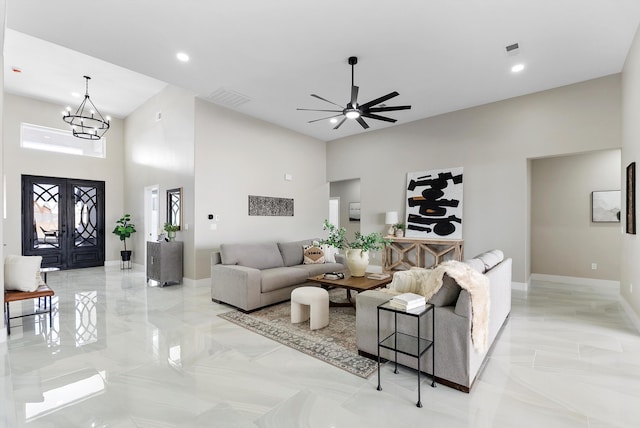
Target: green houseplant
[124, 229]
[356, 251]
[171, 230]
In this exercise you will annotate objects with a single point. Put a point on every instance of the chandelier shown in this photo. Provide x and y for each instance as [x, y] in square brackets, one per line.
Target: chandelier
[87, 122]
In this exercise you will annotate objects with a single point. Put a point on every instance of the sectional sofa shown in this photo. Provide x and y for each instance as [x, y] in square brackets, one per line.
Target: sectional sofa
[458, 362]
[253, 275]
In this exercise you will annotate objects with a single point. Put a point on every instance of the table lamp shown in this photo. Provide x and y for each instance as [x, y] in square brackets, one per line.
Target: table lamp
[391, 218]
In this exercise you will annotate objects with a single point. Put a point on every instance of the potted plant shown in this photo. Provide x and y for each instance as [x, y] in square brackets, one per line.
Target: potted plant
[171, 230]
[124, 229]
[356, 251]
[399, 229]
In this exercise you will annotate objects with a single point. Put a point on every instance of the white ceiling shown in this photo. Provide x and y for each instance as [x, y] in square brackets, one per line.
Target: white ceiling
[440, 56]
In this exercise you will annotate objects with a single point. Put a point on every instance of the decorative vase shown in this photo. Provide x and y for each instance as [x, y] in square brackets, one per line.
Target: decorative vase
[399, 233]
[172, 235]
[357, 261]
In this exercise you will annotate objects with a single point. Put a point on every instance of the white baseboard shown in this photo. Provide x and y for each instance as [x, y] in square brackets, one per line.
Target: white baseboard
[572, 280]
[628, 310]
[197, 283]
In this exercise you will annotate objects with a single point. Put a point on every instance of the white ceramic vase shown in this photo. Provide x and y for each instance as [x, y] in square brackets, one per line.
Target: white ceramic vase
[357, 261]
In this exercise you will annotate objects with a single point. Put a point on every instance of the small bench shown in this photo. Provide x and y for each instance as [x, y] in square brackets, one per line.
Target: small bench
[43, 292]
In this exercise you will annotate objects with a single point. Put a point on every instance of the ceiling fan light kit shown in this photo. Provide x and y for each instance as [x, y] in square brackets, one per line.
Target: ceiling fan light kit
[87, 122]
[356, 111]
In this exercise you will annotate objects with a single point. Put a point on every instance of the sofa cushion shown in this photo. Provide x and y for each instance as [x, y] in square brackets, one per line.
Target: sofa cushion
[463, 305]
[476, 264]
[491, 258]
[277, 278]
[313, 255]
[292, 252]
[319, 269]
[257, 256]
[448, 293]
[22, 273]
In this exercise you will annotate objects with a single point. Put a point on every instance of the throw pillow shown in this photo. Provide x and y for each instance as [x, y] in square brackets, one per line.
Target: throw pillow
[22, 273]
[448, 293]
[313, 255]
[329, 253]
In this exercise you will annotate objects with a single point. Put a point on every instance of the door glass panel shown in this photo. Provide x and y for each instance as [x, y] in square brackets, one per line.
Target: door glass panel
[86, 216]
[45, 215]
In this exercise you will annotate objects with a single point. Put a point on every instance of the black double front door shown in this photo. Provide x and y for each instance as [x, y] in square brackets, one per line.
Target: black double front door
[63, 221]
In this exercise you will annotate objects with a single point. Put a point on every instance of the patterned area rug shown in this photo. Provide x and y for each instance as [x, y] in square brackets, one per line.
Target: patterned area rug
[334, 344]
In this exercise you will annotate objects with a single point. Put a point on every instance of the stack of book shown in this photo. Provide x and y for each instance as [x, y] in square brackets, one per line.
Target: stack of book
[408, 301]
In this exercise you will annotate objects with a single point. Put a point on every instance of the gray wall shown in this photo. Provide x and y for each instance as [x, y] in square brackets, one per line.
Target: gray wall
[630, 276]
[564, 240]
[18, 161]
[160, 152]
[493, 143]
[237, 156]
[3, 6]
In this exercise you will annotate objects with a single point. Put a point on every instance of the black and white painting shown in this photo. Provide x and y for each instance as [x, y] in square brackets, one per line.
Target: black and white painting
[605, 206]
[434, 204]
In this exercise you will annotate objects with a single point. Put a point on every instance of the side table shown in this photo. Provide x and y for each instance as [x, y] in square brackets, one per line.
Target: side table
[407, 344]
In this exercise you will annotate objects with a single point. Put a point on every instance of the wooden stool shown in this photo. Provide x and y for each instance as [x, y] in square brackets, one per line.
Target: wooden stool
[43, 292]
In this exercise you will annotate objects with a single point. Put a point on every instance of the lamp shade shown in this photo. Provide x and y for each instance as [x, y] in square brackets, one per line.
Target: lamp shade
[391, 217]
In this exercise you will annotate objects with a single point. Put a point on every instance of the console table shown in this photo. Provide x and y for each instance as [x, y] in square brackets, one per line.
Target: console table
[405, 253]
[164, 262]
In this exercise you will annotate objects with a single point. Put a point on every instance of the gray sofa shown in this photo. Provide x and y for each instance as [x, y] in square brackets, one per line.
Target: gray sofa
[250, 276]
[457, 362]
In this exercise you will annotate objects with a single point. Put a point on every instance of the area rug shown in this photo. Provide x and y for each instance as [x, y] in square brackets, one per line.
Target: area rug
[334, 344]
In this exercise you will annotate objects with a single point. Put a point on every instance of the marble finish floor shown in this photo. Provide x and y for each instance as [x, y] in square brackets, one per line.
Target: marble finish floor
[124, 354]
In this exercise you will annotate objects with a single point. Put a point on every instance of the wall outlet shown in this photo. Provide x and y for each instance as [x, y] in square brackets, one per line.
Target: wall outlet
[594, 266]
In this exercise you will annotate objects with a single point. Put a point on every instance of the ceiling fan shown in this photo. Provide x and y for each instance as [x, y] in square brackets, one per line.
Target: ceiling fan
[356, 111]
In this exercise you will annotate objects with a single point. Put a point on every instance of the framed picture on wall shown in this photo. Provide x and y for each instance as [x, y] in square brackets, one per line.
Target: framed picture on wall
[605, 206]
[354, 211]
[631, 198]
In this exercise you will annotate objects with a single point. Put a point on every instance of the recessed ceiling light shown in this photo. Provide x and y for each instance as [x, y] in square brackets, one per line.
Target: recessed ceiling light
[517, 68]
[182, 56]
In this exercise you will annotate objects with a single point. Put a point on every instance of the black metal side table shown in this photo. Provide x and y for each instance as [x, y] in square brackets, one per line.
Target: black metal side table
[407, 344]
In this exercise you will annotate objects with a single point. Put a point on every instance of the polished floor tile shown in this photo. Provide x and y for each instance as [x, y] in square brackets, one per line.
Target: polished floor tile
[123, 354]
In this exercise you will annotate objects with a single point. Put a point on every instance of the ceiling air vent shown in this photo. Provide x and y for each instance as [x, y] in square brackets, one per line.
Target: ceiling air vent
[513, 49]
[228, 98]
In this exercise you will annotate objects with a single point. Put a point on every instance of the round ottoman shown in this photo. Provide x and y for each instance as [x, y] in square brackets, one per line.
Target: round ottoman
[312, 301]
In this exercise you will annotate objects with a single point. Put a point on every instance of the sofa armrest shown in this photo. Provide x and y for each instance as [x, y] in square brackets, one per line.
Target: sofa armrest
[236, 285]
[367, 319]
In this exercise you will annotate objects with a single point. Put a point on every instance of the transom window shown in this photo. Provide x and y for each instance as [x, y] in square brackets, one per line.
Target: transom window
[60, 141]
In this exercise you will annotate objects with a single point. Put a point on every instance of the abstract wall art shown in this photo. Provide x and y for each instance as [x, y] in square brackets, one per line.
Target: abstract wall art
[269, 206]
[434, 204]
[605, 206]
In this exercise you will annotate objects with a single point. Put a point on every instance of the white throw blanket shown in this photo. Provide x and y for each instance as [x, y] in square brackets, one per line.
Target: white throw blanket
[427, 282]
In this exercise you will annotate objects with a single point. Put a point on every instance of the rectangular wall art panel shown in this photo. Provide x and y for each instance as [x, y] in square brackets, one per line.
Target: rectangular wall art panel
[269, 206]
[605, 206]
[434, 204]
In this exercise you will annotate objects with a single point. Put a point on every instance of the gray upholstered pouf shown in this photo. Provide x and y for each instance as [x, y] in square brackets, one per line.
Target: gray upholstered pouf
[310, 302]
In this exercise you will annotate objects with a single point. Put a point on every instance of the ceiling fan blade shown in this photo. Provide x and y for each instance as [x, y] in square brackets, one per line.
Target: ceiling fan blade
[378, 117]
[313, 109]
[362, 122]
[354, 96]
[324, 99]
[324, 118]
[390, 108]
[379, 100]
[340, 123]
